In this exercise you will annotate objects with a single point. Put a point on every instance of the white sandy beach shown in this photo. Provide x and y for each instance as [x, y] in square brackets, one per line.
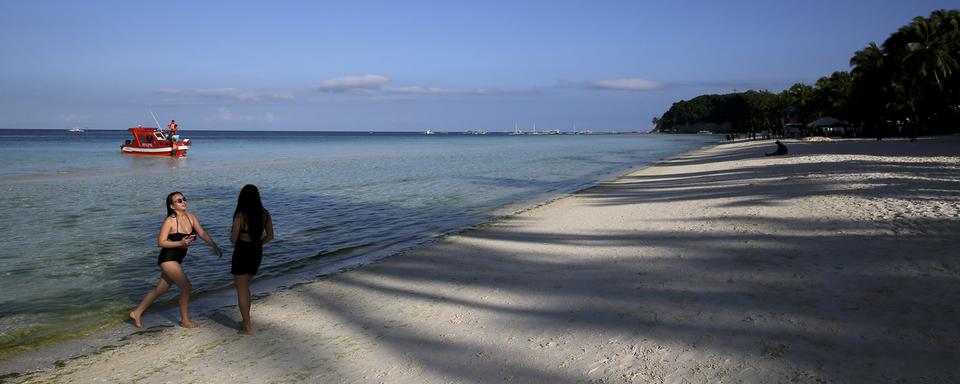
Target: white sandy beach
[839, 262]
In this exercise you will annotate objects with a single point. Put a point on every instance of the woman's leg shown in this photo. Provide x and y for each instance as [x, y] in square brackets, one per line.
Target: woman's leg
[242, 283]
[174, 273]
[162, 287]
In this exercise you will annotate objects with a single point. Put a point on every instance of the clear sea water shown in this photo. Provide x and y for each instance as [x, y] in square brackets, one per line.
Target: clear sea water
[79, 221]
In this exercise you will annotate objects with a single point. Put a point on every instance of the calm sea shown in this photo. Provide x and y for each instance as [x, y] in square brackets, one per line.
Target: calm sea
[79, 221]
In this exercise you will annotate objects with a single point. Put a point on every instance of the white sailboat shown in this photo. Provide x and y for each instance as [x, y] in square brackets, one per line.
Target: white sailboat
[534, 129]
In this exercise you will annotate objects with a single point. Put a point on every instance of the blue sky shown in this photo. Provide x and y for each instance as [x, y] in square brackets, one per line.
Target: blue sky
[413, 65]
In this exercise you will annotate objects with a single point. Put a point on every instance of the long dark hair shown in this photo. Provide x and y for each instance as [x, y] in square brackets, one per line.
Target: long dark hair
[251, 210]
[170, 211]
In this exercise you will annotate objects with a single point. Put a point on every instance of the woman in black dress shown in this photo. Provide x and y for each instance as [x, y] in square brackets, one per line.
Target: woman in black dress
[252, 228]
[179, 229]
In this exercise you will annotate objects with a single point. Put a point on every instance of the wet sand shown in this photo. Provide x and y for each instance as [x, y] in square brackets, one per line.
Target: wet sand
[836, 263]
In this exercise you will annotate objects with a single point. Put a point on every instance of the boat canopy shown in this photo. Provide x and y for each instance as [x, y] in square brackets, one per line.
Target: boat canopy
[143, 136]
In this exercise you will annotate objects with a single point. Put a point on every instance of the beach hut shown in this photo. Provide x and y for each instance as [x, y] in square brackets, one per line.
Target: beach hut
[827, 126]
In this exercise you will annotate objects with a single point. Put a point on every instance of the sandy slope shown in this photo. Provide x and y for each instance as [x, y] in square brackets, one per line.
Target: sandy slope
[836, 263]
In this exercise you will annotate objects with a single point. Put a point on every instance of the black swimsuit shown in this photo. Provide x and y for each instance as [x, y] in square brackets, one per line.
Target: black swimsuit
[247, 256]
[175, 254]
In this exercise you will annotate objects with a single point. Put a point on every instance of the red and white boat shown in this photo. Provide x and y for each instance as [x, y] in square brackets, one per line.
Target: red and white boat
[153, 141]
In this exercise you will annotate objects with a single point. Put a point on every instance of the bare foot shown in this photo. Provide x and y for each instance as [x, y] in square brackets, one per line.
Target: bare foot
[190, 324]
[136, 319]
[246, 331]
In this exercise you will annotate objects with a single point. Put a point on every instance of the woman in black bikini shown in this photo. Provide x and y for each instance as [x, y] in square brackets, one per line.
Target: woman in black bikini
[178, 230]
[252, 228]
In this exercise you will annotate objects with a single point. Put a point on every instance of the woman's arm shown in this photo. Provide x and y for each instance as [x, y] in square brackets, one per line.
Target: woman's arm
[203, 234]
[269, 228]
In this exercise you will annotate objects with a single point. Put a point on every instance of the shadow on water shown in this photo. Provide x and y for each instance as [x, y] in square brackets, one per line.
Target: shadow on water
[743, 294]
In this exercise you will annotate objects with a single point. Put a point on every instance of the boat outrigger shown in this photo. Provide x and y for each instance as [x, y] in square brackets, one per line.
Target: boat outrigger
[153, 141]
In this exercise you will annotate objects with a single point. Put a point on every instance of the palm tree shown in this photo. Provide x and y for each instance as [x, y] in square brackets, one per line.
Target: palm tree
[867, 61]
[800, 96]
[929, 49]
[831, 94]
[870, 96]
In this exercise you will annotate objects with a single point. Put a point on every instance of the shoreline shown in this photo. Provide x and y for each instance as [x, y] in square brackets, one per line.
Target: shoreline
[165, 315]
[834, 263]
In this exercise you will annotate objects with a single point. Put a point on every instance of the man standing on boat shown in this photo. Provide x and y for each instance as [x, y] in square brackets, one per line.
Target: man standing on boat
[174, 137]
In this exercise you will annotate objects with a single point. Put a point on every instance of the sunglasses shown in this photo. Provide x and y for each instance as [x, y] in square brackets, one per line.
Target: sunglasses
[181, 200]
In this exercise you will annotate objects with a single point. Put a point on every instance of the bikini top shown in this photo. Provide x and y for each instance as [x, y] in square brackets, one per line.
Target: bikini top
[177, 236]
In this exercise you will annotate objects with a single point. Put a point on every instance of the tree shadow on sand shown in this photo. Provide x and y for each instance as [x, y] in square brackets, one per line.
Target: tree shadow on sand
[748, 297]
[749, 294]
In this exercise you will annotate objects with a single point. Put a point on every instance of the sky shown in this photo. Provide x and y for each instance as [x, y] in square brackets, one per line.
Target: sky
[414, 65]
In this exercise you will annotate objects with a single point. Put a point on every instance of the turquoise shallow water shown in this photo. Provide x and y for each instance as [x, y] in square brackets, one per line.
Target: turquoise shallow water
[80, 221]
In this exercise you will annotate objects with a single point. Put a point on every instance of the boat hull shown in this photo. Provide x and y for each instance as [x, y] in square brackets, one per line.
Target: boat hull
[154, 142]
[181, 150]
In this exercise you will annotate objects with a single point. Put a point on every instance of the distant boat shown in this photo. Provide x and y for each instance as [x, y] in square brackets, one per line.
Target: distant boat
[474, 132]
[705, 132]
[534, 129]
[76, 130]
[516, 130]
[429, 132]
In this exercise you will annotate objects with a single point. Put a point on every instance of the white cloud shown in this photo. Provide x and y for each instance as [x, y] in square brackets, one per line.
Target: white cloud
[219, 92]
[225, 115]
[628, 84]
[280, 95]
[369, 84]
[354, 83]
[229, 93]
